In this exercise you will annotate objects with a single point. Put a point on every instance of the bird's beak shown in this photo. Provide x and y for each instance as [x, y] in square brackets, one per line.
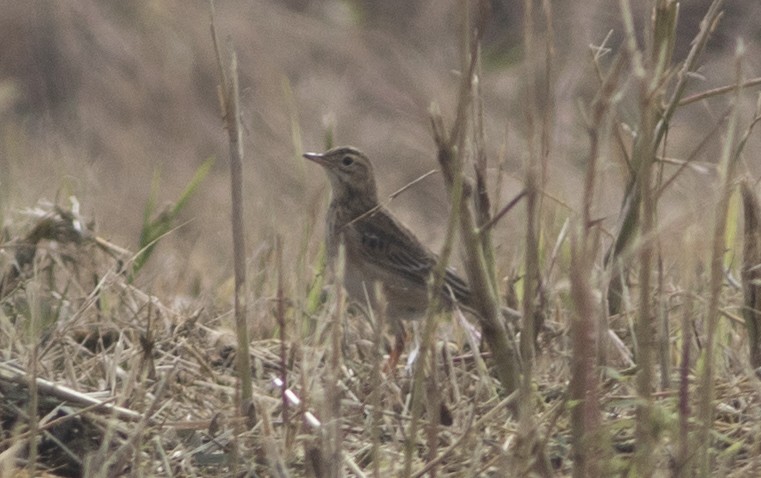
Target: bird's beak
[316, 157]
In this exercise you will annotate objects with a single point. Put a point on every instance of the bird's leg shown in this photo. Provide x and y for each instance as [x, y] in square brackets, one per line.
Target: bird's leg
[400, 339]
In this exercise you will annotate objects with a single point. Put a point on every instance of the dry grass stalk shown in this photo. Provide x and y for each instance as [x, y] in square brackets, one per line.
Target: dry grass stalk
[332, 432]
[685, 456]
[425, 365]
[376, 380]
[651, 71]
[281, 322]
[588, 448]
[647, 71]
[532, 457]
[728, 163]
[629, 227]
[451, 151]
[229, 96]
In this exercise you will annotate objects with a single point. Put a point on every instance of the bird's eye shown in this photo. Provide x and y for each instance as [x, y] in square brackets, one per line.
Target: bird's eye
[347, 161]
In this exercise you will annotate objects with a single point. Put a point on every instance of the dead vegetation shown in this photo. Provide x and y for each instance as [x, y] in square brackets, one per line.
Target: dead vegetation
[637, 351]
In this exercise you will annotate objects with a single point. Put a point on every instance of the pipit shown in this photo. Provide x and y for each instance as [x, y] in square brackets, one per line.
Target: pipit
[378, 248]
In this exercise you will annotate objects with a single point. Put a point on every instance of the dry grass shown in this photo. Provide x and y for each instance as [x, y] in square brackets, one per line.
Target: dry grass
[107, 376]
[155, 387]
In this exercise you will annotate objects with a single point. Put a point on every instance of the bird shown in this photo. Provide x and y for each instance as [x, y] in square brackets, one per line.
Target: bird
[378, 248]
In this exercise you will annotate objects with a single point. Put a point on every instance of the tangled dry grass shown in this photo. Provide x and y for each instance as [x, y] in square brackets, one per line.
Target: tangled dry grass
[124, 384]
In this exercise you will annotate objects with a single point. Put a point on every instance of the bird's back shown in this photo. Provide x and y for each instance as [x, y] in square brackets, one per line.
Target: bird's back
[380, 249]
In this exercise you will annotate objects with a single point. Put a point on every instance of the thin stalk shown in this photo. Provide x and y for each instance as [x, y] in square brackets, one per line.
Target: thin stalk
[229, 95]
[706, 395]
[643, 157]
[333, 432]
[451, 145]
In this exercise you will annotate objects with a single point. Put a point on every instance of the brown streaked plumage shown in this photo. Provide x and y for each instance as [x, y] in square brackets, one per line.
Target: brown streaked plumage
[379, 248]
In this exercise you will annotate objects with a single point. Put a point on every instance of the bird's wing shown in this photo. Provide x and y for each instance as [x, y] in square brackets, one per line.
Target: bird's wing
[388, 245]
[392, 248]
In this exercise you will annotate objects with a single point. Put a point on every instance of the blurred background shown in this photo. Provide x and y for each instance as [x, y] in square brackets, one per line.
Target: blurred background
[98, 96]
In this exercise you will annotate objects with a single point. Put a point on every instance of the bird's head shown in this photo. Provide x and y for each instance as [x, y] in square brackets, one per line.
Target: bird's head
[350, 173]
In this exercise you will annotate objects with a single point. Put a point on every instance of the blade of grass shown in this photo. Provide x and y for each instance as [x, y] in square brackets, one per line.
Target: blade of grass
[156, 227]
